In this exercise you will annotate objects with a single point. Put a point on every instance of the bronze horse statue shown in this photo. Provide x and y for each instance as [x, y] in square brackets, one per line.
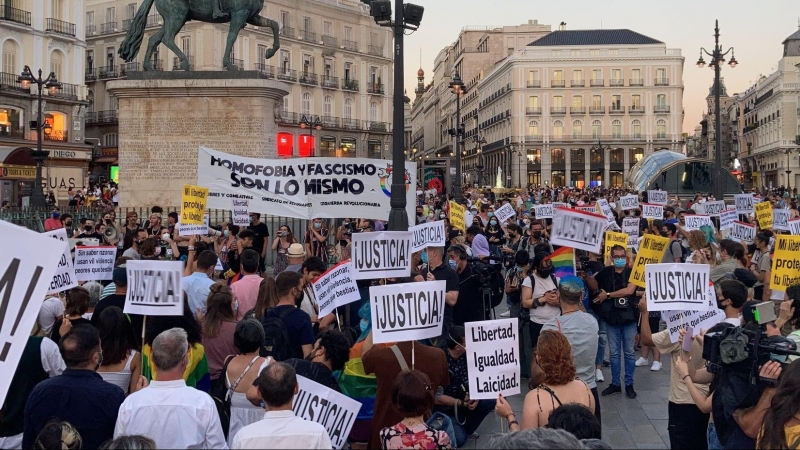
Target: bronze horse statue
[177, 12]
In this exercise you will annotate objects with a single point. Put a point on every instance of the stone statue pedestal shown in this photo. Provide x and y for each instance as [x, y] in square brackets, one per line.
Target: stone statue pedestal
[165, 116]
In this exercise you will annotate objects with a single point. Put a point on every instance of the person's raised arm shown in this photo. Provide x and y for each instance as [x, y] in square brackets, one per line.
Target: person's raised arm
[752, 419]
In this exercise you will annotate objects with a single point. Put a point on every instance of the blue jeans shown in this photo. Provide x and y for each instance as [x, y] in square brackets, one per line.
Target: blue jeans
[602, 337]
[713, 439]
[622, 336]
[473, 420]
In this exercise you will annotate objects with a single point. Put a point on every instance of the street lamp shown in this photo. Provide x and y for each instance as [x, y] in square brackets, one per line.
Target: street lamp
[458, 88]
[717, 59]
[480, 141]
[305, 122]
[788, 172]
[51, 83]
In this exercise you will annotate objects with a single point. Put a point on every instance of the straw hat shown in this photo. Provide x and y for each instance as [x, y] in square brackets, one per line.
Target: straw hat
[296, 251]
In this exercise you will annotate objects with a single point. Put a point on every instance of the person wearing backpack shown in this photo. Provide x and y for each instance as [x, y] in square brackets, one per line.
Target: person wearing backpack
[288, 332]
[540, 295]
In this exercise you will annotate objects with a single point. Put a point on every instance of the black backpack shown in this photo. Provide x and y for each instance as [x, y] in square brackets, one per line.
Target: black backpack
[276, 337]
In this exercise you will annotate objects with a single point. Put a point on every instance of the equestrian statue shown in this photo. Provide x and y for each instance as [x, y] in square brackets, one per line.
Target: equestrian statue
[177, 12]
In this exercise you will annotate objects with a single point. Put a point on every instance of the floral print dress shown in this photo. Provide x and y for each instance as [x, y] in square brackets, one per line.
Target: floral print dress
[419, 436]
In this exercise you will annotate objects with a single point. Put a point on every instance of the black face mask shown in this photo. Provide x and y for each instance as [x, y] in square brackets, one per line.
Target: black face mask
[546, 272]
[88, 229]
[664, 234]
[536, 234]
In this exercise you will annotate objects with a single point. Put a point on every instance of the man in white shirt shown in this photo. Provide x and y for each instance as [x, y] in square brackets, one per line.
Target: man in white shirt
[198, 284]
[280, 428]
[167, 411]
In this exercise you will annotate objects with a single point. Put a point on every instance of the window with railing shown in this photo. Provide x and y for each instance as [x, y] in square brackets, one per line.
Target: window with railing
[597, 129]
[16, 15]
[533, 128]
[636, 129]
[577, 129]
[661, 129]
[558, 129]
[616, 129]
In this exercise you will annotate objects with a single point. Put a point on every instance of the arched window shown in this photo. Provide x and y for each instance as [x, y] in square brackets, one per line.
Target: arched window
[661, 129]
[56, 61]
[327, 106]
[110, 140]
[373, 111]
[577, 129]
[558, 129]
[616, 128]
[636, 128]
[597, 129]
[533, 128]
[305, 105]
[10, 52]
[348, 108]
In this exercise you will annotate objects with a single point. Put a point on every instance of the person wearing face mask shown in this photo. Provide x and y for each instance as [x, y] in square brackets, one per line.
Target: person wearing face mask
[315, 240]
[88, 231]
[436, 268]
[295, 322]
[674, 253]
[132, 241]
[54, 221]
[470, 307]
[540, 295]
[495, 235]
[535, 237]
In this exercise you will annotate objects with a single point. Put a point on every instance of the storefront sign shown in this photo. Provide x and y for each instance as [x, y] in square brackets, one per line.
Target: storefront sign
[18, 172]
[70, 154]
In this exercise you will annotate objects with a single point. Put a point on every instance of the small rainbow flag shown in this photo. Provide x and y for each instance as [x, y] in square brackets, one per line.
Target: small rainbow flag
[563, 262]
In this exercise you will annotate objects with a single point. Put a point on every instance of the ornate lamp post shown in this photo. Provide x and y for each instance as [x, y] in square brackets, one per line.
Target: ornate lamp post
[479, 143]
[305, 122]
[459, 89]
[51, 83]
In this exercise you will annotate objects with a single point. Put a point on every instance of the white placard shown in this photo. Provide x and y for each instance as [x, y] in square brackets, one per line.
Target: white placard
[630, 226]
[606, 208]
[336, 287]
[240, 212]
[381, 254]
[94, 263]
[493, 358]
[629, 202]
[698, 320]
[677, 286]
[744, 203]
[780, 219]
[191, 230]
[727, 218]
[155, 288]
[561, 205]
[27, 263]
[333, 410]
[794, 226]
[650, 211]
[715, 208]
[505, 212]
[407, 311]
[576, 229]
[543, 211]
[588, 209]
[64, 276]
[695, 221]
[743, 232]
[657, 197]
[429, 234]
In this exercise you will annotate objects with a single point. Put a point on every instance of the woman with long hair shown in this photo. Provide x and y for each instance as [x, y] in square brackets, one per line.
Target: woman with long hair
[495, 235]
[280, 245]
[266, 300]
[77, 304]
[225, 241]
[121, 366]
[219, 324]
[781, 427]
[559, 386]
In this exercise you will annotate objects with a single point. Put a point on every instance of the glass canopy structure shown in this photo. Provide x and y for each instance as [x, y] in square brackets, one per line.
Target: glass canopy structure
[678, 174]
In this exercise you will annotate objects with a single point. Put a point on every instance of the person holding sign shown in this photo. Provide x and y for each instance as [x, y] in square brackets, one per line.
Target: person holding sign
[540, 294]
[760, 265]
[437, 269]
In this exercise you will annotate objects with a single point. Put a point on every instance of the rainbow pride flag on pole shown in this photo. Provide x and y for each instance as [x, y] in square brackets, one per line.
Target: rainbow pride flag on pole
[563, 262]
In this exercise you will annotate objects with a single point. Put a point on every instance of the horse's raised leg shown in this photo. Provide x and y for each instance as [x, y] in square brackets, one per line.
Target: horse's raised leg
[172, 25]
[238, 20]
[264, 22]
[152, 43]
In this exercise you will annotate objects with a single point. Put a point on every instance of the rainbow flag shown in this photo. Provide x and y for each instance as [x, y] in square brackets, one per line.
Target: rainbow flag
[563, 262]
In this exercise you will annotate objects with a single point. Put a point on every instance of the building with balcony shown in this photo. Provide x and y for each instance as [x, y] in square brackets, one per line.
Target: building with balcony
[336, 60]
[768, 126]
[46, 35]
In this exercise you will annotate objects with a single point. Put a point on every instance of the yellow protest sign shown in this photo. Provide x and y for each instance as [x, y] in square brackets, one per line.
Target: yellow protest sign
[458, 216]
[613, 238]
[785, 262]
[193, 204]
[651, 251]
[764, 215]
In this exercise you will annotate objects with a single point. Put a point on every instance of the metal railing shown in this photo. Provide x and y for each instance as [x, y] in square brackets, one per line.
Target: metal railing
[126, 24]
[636, 109]
[265, 70]
[287, 32]
[616, 109]
[350, 45]
[108, 28]
[67, 90]
[56, 135]
[158, 64]
[616, 82]
[308, 78]
[533, 83]
[557, 83]
[330, 41]
[330, 121]
[661, 82]
[633, 82]
[128, 67]
[597, 83]
[558, 110]
[330, 82]
[375, 50]
[287, 74]
[176, 62]
[154, 20]
[59, 27]
[597, 110]
[107, 72]
[91, 30]
[91, 118]
[236, 64]
[15, 15]
[8, 81]
[577, 110]
[376, 126]
[90, 74]
[109, 116]
[577, 83]
[288, 117]
[533, 110]
[308, 36]
[350, 124]
[375, 88]
[12, 134]
[661, 108]
[350, 84]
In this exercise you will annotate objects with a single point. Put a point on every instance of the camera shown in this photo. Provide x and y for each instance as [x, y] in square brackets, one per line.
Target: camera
[490, 277]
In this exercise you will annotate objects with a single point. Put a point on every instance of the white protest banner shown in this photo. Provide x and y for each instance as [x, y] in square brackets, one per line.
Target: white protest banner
[780, 219]
[492, 358]
[630, 226]
[336, 287]
[381, 254]
[744, 203]
[577, 229]
[240, 212]
[407, 311]
[677, 286]
[561, 205]
[333, 410]
[629, 202]
[794, 226]
[429, 234]
[304, 188]
[94, 263]
[726, 219]
[714, 208]
[605, 209]
[27, 263]
[657, 197]
[543, 211]
[650, 211]
[64, 277]
[698, 320]
[505, 212]
[155, 288]
[190, 230]
[695, 221]
[587, 209]
[743, 232]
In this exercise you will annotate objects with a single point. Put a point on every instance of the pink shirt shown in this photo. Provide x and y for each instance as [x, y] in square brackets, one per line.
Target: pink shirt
[246, 291]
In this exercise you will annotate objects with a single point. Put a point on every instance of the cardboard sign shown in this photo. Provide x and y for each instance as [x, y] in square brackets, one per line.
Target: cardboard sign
[27, 263]
[94, 263]
[429, 234]
[657, 197]
[336, 287]
[714, 208]
[505, 212]
[193, 204]
[576, 229]
[543, 211]
[493, 359]
[155, 288]
[727, 218]
[743, 232]
[650, 211]
[333, 410]
[651, 251]
[407, 311]
[744, 203]
[698, 320]
[381, 254]
[629, 202]
[458, 219]
[605, 209]
[613, 238]
[794, 226]
[64, 277]
[588, 209]
[695, 221]
[764, 215]
[780, 219]
[682, 287]
[240, 212]
[630, 226]
[191, 230]
[785, 262]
